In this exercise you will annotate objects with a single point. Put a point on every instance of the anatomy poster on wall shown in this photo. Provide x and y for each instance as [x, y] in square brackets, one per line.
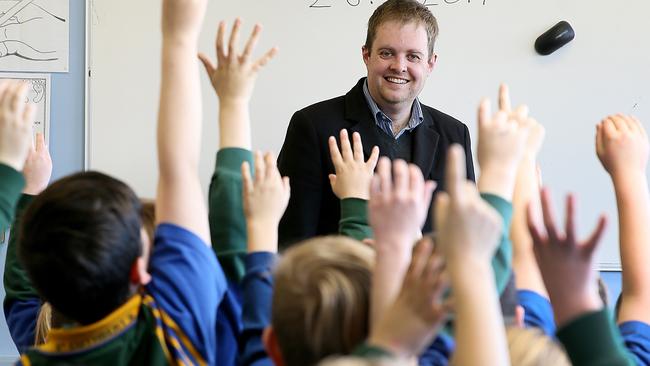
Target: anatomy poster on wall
[34, 35]
[38, 94]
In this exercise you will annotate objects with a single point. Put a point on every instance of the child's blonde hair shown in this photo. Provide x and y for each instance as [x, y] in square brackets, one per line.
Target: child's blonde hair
[321, 298]
[43, 324]
[531, 347]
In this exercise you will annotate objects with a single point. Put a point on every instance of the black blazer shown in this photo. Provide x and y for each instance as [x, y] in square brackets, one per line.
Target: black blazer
[313, 208]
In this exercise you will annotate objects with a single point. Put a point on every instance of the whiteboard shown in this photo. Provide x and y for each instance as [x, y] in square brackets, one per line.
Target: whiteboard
[481, 43]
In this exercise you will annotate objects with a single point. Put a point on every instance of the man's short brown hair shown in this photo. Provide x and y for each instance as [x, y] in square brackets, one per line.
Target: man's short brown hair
[403, 11]
[321, 299]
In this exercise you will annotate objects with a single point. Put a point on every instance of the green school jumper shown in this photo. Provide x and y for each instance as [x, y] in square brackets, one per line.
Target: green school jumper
[11, 184]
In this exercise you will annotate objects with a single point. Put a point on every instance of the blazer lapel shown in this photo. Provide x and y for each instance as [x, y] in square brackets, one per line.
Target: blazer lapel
[425, 145]
[361, 119]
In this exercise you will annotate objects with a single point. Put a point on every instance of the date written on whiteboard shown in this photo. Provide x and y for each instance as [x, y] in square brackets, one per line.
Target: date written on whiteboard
[324, 4]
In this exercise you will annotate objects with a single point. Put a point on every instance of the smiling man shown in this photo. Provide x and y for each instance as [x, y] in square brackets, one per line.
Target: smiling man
[383, 107]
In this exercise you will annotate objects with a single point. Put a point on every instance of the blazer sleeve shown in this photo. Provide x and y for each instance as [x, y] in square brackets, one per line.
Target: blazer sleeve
[301, 160]
[468, 154]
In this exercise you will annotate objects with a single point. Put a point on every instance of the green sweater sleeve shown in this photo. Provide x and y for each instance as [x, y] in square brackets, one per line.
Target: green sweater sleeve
[17, 284]
[592, 339]
[354, 219]
[366, 350]
[226, 212]
[11, 184]
[502, 260]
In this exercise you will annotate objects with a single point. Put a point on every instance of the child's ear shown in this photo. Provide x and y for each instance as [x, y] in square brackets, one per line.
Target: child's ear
[520, 312]
[271, 346]
[139, 275]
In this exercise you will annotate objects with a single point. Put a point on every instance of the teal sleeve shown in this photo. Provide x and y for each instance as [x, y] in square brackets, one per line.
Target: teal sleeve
[17, 284]
[226, 212]
[502, 260]
[366, 350]
[11, 185]
[592, 339]
[354, 219]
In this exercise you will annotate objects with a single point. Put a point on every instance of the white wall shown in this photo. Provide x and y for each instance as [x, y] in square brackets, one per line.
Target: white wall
[481, 43]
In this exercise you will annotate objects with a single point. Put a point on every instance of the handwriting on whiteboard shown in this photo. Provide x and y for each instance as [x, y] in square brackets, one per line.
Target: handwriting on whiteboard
[324, 4]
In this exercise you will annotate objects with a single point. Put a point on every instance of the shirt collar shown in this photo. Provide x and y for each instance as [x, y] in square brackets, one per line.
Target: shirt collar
[384, 122]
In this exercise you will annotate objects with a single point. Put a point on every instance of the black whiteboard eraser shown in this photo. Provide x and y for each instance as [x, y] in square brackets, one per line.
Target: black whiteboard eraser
[554, 38]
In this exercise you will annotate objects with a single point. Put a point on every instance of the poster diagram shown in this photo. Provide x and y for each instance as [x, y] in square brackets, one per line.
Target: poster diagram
[34, 35]
[39, 94]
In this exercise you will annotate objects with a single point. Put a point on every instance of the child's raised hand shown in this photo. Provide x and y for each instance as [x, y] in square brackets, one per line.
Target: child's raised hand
[468, 228]
[501, 144]
[16, 119]
[182, 19]
[353, 174]
[265, 198]
[622, 145]
[38, 167]
[398, 203]
[234, 76]
[565, 262]
[409, 325]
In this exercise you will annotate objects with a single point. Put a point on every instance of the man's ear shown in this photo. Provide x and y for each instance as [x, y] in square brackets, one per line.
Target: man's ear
[365, 52]
[139, 275]
[271, 346]
[432, 62]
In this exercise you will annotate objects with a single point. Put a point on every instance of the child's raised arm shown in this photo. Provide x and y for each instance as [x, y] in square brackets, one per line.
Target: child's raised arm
[15, 140]
[351, 183]
[398, 206]
[585, 327]
[622, 147]
[226, 213]
[468, 236]
[179, 198]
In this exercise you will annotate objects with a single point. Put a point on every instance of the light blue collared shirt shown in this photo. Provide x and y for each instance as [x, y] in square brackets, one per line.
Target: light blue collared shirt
[385, 123]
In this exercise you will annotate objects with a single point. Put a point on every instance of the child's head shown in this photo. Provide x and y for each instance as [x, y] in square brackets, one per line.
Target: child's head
[531, 347]
[81, 245]
[321, 299]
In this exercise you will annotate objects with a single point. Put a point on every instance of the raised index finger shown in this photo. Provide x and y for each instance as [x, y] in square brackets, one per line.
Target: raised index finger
[504, 98]
[455, 172]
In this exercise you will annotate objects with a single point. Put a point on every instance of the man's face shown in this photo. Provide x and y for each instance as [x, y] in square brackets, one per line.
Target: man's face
[398, 64]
